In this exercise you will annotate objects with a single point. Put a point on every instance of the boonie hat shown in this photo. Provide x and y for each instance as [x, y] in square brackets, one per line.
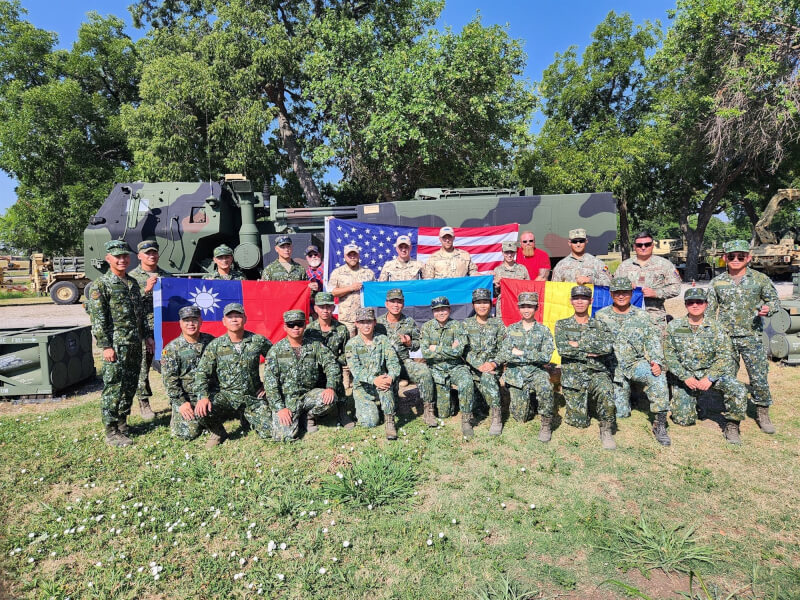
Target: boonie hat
[311, 248]
[446, 231]
[117, 248]
[395, 294]
[528, 299]
[696, 293]
[188, 312]
[232, 307]
[365, 314]
[575, 234]
[580, 291]
[736, 246]
[509, 246]
[323, 298]
[282, 240]
[481, 294]
[290, 316]
[146, 245]
[223, 250]
[439, 302]
[402, 239]
[620, 284]
[351, 247]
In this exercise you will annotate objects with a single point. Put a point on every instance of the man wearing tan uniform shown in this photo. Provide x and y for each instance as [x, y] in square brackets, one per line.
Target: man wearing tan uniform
[346, 283]
[402, 267]
[449, 261]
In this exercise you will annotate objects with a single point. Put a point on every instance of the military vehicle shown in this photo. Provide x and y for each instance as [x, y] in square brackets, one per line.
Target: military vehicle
[707, 267]
[772, 256]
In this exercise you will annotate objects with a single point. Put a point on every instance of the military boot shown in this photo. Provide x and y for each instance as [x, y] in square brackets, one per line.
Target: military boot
[466, 425]
[311, 424]
[344, 419]
[115, 438]
[428, 417]
[145, 410]
[391, 432]
[545, 433]
[660, 429]
[122, 426]
[244, 425]
[216, 435]
[731, 432]
[762, 418]
[497, 421]
[607, 435]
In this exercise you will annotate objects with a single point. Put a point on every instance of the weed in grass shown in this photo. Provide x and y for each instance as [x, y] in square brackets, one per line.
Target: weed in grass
[504, 588]
[701, 477]
[558, 575]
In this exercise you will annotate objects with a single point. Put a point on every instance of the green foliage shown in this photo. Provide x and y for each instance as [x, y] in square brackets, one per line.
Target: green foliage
[504, 588]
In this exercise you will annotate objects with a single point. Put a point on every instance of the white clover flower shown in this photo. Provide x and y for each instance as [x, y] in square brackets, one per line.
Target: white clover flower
[339, 475]
[502, 505]
[322, 570]
[242, 561]
[280, 576]
[441, 535]
[533, 506]
[522, 470]
[454, 521]
[282, 546]
[346, 543]
[334, 559]
[98, 564]
[271, 546]
[429, 542]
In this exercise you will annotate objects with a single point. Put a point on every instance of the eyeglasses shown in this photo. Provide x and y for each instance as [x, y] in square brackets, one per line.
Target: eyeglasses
[578, 241]
[526, 241]
[690, 302]
[643, 244]
[736, 255]
[296, 325]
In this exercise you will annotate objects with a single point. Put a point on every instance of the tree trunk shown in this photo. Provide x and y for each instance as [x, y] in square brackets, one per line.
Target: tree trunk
[624, 226]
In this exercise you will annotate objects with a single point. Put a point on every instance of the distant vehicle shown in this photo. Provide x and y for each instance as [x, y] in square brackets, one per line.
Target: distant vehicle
[770, 255]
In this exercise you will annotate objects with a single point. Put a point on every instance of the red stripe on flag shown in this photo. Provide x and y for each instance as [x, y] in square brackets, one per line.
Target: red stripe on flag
[473, 231]
[509, 292]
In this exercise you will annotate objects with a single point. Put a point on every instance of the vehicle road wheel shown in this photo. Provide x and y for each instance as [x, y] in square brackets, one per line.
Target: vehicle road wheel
[65, 292]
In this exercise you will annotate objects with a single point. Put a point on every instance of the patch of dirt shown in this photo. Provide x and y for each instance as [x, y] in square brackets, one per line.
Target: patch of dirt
[339, 462]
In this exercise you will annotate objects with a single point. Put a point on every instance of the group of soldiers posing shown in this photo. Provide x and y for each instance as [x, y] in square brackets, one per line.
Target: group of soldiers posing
[210, 380]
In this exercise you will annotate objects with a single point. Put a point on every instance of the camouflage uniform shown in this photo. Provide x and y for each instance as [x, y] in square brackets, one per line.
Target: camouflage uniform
[143, 391]
[276, 271]
[516, 271]
[570, 268]
[582, 376]
[118, 322]
[334, 340]
[289, 380]
[366, 362]
[698, 353]
[233, 274]
[229, 378]
[179, 361]
[349, 303]
[484, 346]
[735, 306]
[442, 264]
[417, 373]
[525, 375]
[637, 341]
[660, 275]
[446, 364]
[397, 270]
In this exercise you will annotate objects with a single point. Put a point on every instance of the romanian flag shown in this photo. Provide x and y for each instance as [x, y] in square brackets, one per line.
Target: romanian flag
[264, 304]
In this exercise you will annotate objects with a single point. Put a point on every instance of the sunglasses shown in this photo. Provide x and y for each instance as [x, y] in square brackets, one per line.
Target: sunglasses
[526, 241]
[736, 255]
[296, 324]
[578, 241]
[312, 254]
[509, 251]
[643, 244]
[690, 302]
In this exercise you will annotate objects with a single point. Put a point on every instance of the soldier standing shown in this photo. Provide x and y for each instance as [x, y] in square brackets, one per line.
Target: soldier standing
[284, 268]
[449, 261]
[510, 269]
[223, 265]
[290, 377]
[146, 275]
[738, 299]
[119, 326]
[485, 336]
[698, 354]
[586, 347]
[443, 343]
[638, 356]
[403, 267]
[404, 335]
[580, 266]
[657, 277]
[227, 378]
[532, 258]
[375, 367]
[347, 282]
[179, 361]
[526, 350]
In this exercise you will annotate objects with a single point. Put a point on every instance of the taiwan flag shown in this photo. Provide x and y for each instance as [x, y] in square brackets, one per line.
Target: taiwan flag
[264, 304]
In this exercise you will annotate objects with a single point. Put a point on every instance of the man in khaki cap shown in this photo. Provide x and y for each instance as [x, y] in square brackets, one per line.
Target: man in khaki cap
[402, 267]
[580, 266]
[510, 269]
[346, 283]
[449, 261]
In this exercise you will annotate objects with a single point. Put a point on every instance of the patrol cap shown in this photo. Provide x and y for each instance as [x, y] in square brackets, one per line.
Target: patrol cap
[311, 248]
[575, 234]
[446, 231]
[528, 299]
[291, 316]
[481, 294]
[395, 294]
[188, 312]
[323, 299]
[736, 246]
[509, 246]
[402, 239]
[282, 240]
[439, 302]
[233, 307]
[580, 291]
[695, 293]
[223, 250]
[620, 284]
[365, 314]
[351, 247]
[146, 245]
[117, 248]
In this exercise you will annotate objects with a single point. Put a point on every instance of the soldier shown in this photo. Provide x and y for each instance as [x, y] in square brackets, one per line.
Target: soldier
[580, 266]
[119, 326]
[347, 282]
[443, 343]
[146, 275]
[526, 350]
[510, 269]
[586, 347]
[284, 268]
[179, 361]
[738, 299]
[404, 335]
[375, 367]
[532, 258]
[657, 277]
[698, 354]
[223, 262]
[485, 336]
[290, 375]
[449, 261]
[227, 381]
[638, 356]
[403, 267]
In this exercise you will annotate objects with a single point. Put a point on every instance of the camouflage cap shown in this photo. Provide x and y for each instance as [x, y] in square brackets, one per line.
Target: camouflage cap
[233, 307]
[395, 294]
[575, 234]
[509, 246]
[292, 316]
[481, 294]
[146, 245]
[282, 240]
[528, 299]
[117, 248]
[446, 231]
[324, 299]
[736, 246]
[580, 291]
[223, 250]
[365, 314]
[311, 248]
[351, 247]
[695, 293]
[440, 302]
[189, 312]
[402, 239]
[620, 284]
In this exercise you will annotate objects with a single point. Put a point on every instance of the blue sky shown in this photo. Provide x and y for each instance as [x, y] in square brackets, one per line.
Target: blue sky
[545, 27]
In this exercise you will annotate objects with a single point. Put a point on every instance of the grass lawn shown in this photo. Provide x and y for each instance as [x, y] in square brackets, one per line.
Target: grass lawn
[349, 515]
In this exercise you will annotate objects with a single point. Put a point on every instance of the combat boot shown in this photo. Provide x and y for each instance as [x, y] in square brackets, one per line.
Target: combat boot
[607, 435]
[146, 411]
[311, 424]
[391, 432]
[466, 425]
[731, 432]
[344, 419]
[122, 426]
[216, 435]
[428, 417]
[115, 438]
[660, 429]
[497, 421]
[762, 418]
[545, 433]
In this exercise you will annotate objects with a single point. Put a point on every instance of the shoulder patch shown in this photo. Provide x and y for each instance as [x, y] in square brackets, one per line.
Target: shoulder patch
[95, 294]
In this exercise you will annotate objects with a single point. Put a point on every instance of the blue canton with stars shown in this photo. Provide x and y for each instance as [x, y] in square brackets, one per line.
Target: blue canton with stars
[375, 242]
